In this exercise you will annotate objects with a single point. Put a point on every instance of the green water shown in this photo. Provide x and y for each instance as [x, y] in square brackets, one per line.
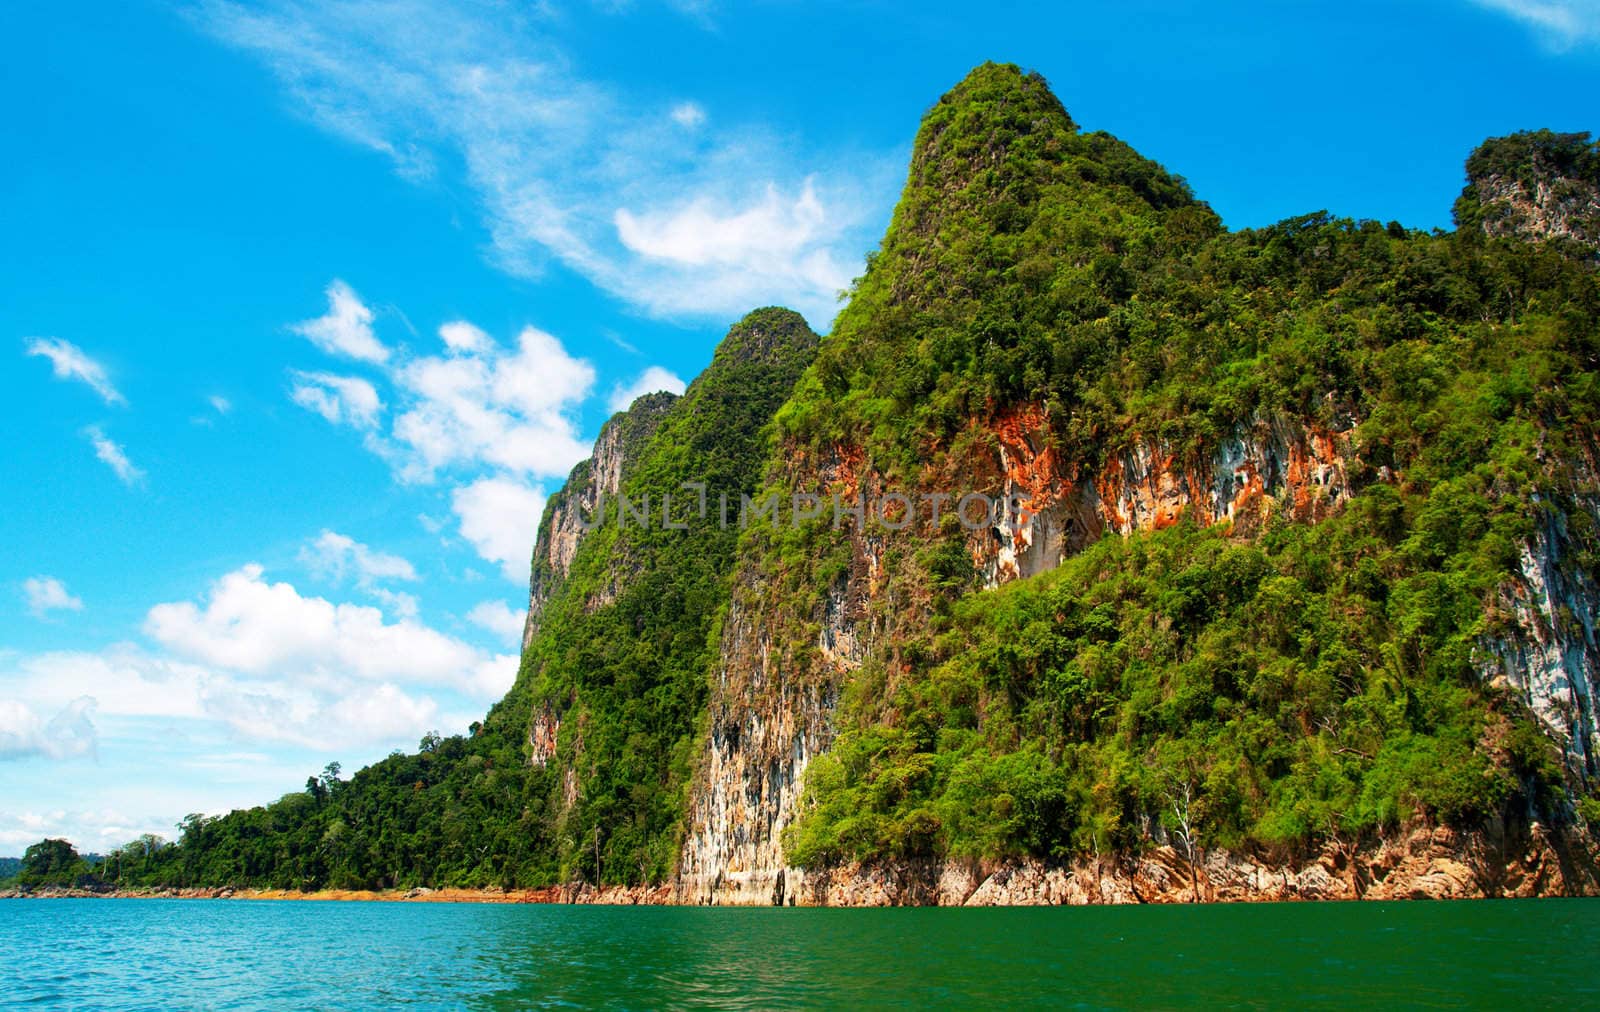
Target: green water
[139, 954]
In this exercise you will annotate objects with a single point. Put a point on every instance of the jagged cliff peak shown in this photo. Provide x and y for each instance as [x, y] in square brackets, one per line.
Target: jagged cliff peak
[1534, 184]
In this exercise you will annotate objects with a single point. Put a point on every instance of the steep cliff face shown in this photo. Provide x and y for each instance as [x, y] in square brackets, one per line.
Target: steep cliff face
[568, 512]
[1535, 185]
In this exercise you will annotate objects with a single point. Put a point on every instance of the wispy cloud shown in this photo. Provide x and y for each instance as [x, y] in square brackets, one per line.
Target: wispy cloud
[346, 329]
[68, 361]
[333, 555]
[348, 400]
[689, 115]
[45, 594]
[113, 456]
[1562, 24]
[606, 182]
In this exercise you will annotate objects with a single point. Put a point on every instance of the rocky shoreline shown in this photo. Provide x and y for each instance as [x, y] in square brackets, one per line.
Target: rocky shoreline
[1427, 863]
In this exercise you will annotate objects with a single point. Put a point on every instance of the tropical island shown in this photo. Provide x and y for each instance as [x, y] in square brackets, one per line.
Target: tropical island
[1290, 591]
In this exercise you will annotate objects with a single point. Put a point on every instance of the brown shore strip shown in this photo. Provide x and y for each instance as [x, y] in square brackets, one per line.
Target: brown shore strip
[619, 896]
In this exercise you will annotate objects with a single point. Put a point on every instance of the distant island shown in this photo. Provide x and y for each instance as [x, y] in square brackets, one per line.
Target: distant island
[1098, 554]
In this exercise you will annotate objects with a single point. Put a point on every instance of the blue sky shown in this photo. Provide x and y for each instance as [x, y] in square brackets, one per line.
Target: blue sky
[308, 307]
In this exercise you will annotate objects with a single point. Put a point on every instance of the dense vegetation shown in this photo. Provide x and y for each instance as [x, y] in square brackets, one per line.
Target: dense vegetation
[50, 862]
[1308, 684]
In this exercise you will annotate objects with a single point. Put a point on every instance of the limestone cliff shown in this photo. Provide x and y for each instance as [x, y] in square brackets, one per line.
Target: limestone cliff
[567, 512]
[1535, 185]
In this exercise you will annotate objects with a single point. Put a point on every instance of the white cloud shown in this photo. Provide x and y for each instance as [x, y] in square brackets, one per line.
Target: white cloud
[347, 399]
[398, 602]
[553, 157]
[255, 627]
[113, 456]
[650, 381]
[68, 361]
[70, 733]
[346, 329]
[500, 516]
[220, 404]
[1563, 24]
[46, 594]
[507, 410]
[688, 115]
[500, 619]
[333, 555]
[461, 336]
[296, 705]
[91, 832]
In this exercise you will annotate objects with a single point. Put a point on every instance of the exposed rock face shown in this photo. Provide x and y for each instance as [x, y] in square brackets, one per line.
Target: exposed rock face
[1535, 185]
[1270, 465]
[772, 708]
[1424, 863]
[562, 527]
[1547, 646]
[766, 725]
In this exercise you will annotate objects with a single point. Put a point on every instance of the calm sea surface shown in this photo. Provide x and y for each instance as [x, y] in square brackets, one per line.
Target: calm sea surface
[221, 954]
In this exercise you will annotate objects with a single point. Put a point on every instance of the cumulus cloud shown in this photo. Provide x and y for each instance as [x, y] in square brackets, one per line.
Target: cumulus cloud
[252, 626]
[70, 733]
[477, 405]
[68, 361]
[497, 617]
[650, 381]
[346, 329]
[1563, 24]
[45, 594]
[339, 399]
[500, 517]
[482, 405]
[553, 157]
[113, 456]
